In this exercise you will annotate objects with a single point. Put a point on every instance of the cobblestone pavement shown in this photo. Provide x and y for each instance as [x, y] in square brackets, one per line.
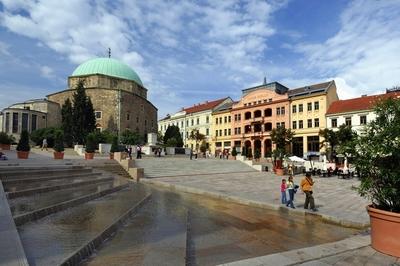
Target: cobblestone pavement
[334, 198]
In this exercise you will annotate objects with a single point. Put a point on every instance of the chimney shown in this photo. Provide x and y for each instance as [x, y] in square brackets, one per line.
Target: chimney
[364, 95]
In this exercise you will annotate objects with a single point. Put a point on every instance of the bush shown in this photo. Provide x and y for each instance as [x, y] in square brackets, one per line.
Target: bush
[38, 135]
[104, 136]
[6, 139]
[91, 144]
[59, 141]
[23, 144]
[203, 147]
[131, 138]
[114, 145]
[234, 152]
[171, 142]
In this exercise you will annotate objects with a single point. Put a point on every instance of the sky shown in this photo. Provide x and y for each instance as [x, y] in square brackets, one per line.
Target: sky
[187, 52]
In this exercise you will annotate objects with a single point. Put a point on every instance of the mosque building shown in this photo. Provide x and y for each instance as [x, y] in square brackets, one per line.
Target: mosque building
[118, 95]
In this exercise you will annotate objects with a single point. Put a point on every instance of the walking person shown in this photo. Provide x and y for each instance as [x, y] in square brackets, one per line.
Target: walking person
[44, 144]
[283, 191]
[191, 154]
[138, 152]
[307, 187]
[130, 152]
[292, 190]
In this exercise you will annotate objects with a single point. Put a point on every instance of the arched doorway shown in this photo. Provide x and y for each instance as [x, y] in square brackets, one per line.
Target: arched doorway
[267, 148]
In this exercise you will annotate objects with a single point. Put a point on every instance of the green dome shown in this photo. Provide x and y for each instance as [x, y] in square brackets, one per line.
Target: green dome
[109, 67]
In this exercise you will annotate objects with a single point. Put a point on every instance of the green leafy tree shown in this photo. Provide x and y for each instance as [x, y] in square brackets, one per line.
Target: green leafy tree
[48, 133]
[376, 155]
[131, 138]
[59, 141]
[84, 121]
[234, 152]
[23, 144]
[329, 141]
[91, 145]
[203, 146]
[173, 132]
[197, 137]
[282, 137]
[67, 122]
[171, 142]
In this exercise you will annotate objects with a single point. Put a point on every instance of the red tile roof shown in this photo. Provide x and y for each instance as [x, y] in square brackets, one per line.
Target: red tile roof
[359, 104]
[203, 106]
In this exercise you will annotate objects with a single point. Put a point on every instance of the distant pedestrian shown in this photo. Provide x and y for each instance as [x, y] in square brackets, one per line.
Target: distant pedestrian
[138, 152]
[195, 155]
[292, 190]
[191, 154]
[283, 191]
[130, 152]
[159, 152]
[44, 144]
[307, 186]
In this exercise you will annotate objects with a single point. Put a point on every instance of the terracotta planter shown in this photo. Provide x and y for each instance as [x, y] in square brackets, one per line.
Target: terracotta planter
[58, 155]
[89, 155]
[232, 157]
[279, 171]
[22, 154]
[385, 231]
[111, 156]
[5, 147]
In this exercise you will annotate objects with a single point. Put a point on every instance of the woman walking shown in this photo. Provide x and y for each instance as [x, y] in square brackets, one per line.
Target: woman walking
[291, 189]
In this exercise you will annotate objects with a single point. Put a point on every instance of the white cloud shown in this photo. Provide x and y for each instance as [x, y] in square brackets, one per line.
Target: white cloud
[364, 55]
[4, 49]
[47, 72]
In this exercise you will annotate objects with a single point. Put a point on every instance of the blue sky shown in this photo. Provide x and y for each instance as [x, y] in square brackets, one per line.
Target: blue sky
[190, 51]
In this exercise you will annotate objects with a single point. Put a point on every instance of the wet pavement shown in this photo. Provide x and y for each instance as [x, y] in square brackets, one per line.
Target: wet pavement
[52, 239]
[220, 232]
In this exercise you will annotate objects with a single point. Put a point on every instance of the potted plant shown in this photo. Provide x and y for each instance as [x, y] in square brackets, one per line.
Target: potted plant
[5, 141]
[114, 147]
[58, 145]
[234, 153]
[277, 156]
[23, 146]
[90, 146]
[376, 156]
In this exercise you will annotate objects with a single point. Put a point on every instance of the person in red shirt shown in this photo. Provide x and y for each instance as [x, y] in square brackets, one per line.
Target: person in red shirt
[283, 191]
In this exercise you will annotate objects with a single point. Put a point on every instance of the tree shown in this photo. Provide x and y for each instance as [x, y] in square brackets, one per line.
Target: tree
[114, 145]
[131, 138]
[234, 152]
[197, 137]
[376, 155]
[345, 137]
[84, 121]
[23, 144]
[282, 137]
[59, 141]
[91, 145]
[67, 122]
[171, 142]
[173, 132]
[48, 133]
[203, 146]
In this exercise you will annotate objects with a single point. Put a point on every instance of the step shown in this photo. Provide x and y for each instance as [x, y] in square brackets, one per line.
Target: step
[37, 190]
[16, 168]
[23, 205]
[24, 183]
[41, 173]
[57, 237]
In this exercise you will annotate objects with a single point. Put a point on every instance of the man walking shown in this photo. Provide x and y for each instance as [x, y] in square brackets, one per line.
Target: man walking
[306, 185]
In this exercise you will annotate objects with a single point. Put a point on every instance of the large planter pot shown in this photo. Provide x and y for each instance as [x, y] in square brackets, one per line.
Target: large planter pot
[5, 147]
[385, 231]
[22, 154]
[89, 155]
[58, 155]
[111, 156]
[279, 171]
[232, 157]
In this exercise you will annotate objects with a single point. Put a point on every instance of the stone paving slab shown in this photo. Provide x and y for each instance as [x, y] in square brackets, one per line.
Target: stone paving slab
[11, 250]
[335, 198]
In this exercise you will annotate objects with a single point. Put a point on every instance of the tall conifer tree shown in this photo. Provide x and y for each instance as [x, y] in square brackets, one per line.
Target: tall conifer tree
[67, 122]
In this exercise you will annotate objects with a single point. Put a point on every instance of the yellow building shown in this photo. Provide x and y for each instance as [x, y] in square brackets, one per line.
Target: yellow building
[308, 106]
[221, 129]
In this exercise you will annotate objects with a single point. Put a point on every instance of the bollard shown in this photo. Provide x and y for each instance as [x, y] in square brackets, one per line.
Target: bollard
[136, 173]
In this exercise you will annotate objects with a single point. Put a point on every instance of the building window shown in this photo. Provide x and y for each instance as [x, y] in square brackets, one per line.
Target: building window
[278, 111]
[283, 124]
[33, 122]
[300, 124]
[220, 132]
[309, 123]
[239, 117]
[220, 120]
[316, 122]
[15, 123]
[229, 119]
[235, 118]
[313, 143]
[334, 122]
[192, 122]
[247, 115]
[216, 133]
[216, 121]
[187, 123]
[239, 130]
[294, 109]
[225, 132]
[137, 119]
[225, 119]
[300, 108]
[207, 131]
[316, 105]
[235, 130]
[198, 121]
[348, 121]
[309, 106]
[278, 125]
[229, 131]
[187, 134]
[282, 110]
[24, 121]
[7, 122]
[270, 99]
[207, 119]
[128, 116]
[294, 124]
[363, 120]
[268, 112]
[97, 114]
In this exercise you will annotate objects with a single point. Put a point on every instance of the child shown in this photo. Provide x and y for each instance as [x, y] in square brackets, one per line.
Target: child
[283, 191]
[292, 190]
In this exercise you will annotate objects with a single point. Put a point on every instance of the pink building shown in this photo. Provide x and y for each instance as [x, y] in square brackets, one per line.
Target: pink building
[260, 109]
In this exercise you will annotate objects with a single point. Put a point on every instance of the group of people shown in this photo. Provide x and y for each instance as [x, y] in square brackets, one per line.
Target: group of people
[306, 186]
